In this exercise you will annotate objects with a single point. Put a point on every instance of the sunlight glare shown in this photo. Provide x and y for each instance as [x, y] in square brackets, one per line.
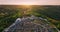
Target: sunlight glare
[28, 3]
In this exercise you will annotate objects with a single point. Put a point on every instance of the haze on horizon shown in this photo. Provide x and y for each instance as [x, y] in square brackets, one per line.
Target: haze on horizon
[29, 2]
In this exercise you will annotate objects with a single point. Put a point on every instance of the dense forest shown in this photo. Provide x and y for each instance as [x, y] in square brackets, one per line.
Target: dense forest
[9, 13]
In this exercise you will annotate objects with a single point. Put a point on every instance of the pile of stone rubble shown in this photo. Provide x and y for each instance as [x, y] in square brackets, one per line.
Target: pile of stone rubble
[30, 24]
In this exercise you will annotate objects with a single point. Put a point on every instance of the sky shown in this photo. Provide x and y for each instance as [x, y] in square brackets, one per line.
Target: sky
[29, 2]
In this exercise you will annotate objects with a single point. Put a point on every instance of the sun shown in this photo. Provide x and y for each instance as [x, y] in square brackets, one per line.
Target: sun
[27, 4]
